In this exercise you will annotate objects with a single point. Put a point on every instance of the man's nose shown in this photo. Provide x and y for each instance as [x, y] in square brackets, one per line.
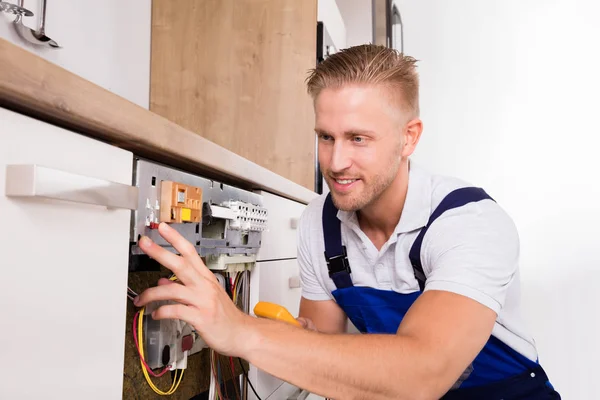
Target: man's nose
[340, 158]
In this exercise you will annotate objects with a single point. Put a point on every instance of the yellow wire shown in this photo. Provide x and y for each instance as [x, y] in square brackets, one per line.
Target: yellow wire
[174, 386]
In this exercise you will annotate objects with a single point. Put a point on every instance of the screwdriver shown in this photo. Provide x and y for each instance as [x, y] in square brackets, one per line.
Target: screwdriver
[274, 311]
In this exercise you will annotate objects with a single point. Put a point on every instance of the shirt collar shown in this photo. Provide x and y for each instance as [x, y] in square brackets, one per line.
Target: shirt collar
[417, 206]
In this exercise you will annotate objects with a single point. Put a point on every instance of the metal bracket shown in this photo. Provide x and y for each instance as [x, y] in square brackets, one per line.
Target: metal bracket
[37, 37]
[11, 8]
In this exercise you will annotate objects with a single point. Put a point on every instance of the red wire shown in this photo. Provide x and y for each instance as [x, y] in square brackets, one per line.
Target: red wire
[140, 354]
[233, 377]
[215, 355]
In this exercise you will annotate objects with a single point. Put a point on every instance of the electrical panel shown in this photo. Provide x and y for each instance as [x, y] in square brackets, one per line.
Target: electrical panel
[225, 224]
[218, 219]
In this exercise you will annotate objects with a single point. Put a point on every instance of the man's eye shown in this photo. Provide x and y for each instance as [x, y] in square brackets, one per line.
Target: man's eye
[358, 139]
[325, 137]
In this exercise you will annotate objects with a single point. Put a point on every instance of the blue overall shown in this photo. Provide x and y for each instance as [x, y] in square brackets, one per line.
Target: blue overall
[498, 372]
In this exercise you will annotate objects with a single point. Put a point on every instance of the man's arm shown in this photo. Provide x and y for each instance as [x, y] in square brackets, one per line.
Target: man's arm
[326, 315]
[439, 337]
[317, 309]
[444, 330]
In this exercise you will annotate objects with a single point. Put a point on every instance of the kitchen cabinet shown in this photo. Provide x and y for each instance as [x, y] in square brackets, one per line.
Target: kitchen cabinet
[65, 258]
[275, 282]
[280, 238]
[106, 42]
[278, 283]
[276, 278]
[64, 263]
[233, 71]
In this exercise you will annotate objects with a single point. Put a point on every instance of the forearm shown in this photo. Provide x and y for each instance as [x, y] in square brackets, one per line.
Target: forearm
[344, 366]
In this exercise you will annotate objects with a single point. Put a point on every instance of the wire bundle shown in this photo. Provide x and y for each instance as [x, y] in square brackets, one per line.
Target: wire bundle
[238, 289]
[131, 294]
[138, 324]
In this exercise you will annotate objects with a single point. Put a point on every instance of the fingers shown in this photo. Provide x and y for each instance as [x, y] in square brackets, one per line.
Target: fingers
[165, 281]
[306, 323]
[169, 260]
[179, 293]
[176, 311]
[185, 248]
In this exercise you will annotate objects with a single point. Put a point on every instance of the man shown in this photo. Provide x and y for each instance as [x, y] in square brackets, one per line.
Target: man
[426, 265]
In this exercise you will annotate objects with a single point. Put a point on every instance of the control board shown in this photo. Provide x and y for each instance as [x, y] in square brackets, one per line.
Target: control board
[218, 219]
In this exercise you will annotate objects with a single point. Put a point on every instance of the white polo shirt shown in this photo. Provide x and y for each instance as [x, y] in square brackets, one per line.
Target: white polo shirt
[472, 250]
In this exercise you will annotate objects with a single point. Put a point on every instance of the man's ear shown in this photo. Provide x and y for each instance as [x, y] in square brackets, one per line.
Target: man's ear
[412, 134]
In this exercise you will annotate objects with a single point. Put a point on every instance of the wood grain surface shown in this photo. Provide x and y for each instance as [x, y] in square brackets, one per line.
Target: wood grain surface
[233, 71]
[36, 87]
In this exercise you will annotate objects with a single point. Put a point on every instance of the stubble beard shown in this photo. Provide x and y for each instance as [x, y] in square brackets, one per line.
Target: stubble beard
[370, 191]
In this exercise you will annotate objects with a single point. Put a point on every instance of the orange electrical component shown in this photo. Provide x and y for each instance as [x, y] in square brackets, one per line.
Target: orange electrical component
[180, 203]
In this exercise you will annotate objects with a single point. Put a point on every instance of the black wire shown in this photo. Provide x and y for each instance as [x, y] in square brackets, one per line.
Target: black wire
[248, 379]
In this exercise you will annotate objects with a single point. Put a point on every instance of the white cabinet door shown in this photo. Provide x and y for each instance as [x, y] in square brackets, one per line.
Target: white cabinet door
[283, 392]
[274, 283]
[106, 42]
[271, 282]
[279, 241]
[64, 268]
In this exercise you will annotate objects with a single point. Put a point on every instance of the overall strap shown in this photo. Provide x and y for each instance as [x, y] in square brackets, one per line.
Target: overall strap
[335, 252]
[457, 198]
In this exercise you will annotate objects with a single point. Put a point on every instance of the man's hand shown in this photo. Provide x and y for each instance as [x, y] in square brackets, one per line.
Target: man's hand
[203, 302]
[326, 316]
[307, 324]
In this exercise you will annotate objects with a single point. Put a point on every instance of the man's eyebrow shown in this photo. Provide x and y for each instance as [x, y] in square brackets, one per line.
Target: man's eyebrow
[354, 132]
[351, 132]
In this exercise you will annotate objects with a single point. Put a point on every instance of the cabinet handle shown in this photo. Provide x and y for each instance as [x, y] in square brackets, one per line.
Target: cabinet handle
[34, 180]
[294, 223]
[294, 282]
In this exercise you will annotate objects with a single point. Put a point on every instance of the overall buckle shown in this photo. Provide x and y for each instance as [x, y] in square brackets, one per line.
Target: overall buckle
[337, 264]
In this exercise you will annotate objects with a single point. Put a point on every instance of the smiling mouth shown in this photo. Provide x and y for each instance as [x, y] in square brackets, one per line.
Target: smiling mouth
[345, 181]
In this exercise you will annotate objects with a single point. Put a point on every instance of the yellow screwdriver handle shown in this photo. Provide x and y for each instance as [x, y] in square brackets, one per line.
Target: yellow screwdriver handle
[274, 311]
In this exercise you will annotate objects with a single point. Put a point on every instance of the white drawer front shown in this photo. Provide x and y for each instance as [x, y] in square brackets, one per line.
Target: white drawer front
[279, 241]
[271, 282]
[283, 392]
[274, 283]
[65, 269]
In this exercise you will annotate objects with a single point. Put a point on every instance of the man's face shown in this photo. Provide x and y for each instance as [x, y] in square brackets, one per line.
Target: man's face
[360, 143]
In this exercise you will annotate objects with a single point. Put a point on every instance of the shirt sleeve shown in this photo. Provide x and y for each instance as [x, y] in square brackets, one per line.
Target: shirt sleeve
[472, 251]
[311, 287]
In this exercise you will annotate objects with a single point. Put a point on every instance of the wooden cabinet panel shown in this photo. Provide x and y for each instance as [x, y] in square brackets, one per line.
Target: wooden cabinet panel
[234, 72]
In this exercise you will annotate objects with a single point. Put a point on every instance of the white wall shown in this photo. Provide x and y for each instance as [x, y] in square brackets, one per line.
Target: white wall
[329, 13]
[510, 102]
[358, 17]
[106, 42]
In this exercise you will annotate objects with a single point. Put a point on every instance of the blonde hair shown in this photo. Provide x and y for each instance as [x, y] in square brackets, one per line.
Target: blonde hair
[369, 64]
